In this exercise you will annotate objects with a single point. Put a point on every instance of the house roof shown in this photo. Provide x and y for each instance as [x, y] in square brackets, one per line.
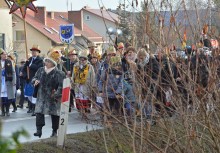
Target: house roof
[51, 29]
[108, 15]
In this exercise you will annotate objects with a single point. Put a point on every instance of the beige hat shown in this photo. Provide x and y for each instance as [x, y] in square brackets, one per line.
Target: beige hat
[120, 45]
[1, 51]
[12, 57]
[111, 50]
[35, 48]
[92, 44]
[54, 56]
[84, 54]
[23, 60]
[72, 52]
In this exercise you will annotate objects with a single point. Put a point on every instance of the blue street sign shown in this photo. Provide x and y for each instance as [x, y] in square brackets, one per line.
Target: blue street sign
[67, 33]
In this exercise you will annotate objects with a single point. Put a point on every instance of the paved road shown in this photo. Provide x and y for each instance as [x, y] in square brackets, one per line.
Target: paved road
[21, 119]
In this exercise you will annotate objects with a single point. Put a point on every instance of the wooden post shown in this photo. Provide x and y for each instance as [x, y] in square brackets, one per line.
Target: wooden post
[26, 48]
[64, 112]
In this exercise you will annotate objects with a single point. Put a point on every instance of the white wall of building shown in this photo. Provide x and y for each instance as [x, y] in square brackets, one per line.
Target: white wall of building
[33, 37]
[6, 27]
[97, 24]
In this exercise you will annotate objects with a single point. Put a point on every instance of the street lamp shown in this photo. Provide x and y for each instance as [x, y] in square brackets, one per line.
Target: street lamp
[114, 32]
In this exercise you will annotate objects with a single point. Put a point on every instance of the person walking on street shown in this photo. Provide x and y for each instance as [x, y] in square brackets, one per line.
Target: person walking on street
[83, 79]
[49, 81]
[13, 60]
[73, 59]
[30, 68]
[22, 84]
[8, 82]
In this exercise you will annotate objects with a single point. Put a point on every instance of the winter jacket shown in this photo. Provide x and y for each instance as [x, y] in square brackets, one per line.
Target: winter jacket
[202, 69]
[148, 73]
[110, 83]
[9, 84]
[36, 64]
[49, 91]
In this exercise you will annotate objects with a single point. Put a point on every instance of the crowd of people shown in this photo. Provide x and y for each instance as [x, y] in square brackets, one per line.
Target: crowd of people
[123, 81]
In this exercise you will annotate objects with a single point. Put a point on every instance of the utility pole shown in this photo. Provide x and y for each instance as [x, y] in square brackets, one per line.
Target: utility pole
[67, 5]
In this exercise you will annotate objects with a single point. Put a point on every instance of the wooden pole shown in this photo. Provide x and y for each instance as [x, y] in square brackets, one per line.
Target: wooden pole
[26, 48]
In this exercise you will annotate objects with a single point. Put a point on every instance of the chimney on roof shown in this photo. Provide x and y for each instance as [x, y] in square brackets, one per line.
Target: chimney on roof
[50, 15]
[41, 15]
[76, 17]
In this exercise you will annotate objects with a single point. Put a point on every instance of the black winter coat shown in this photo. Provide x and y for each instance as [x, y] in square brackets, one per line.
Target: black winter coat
[36, 64]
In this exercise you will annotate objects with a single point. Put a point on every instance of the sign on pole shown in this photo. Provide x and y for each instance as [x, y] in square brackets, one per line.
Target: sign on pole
[67, 33]
[64, 112]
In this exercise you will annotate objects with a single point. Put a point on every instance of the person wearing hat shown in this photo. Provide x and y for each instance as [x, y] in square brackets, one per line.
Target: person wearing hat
[30, 68]
[120, 49]
[148, 69]
[110, 79]
[12, 58]
[49, 82]
[22, 84]
[91, 47]
[73, 59]
[83, 79]
[8, 83]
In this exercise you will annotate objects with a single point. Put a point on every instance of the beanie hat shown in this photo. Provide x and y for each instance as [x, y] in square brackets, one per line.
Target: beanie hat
[54, 56]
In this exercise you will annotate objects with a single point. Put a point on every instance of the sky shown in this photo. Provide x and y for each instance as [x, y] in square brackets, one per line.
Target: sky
[61, 5]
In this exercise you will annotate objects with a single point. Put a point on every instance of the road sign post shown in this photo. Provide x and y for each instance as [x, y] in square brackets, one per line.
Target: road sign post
[64, 112]
[67, 33]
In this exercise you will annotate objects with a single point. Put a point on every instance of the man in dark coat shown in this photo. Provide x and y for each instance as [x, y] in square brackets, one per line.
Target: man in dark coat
[30, 68]
[73, 59]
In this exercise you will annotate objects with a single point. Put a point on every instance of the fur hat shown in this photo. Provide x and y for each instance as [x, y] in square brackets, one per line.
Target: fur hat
[83, 54]
[111, 50]
[35, 48]
[142, 52]
[54, 56]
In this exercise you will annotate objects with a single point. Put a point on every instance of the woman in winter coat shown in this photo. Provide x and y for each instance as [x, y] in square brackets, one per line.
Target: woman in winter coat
[12, 59]
[49, 81]
[83, 82]
[148, 69]
[8, 83]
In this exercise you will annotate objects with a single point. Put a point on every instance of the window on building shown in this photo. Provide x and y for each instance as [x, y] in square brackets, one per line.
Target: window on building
[87, 17]
[20, 35]
[2, 40]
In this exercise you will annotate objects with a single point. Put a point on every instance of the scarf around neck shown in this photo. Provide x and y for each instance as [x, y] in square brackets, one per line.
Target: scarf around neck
[49, 70]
